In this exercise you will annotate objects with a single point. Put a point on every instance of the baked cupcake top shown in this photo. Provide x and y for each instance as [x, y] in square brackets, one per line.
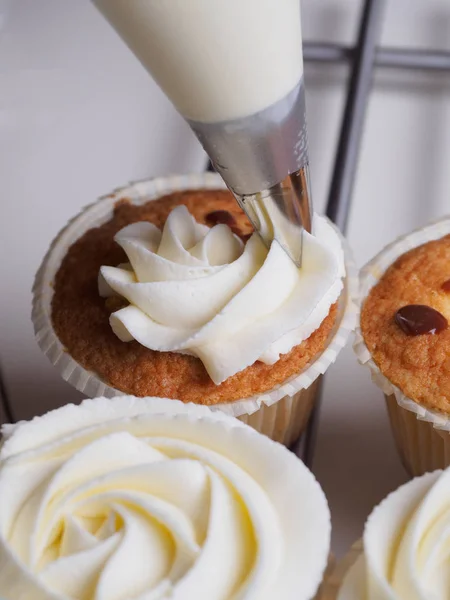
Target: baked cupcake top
[134, 498]
[193, 293]
[406, 545]
[404, 324]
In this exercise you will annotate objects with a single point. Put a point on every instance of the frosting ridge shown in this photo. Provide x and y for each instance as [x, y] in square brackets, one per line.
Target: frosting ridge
[406, 545]
[200, 291]
[124, 500]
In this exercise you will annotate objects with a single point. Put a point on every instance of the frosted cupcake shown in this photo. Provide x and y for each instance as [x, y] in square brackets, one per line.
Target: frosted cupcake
[161, 289]
[404, 338]
[404, 554]
[136, 498]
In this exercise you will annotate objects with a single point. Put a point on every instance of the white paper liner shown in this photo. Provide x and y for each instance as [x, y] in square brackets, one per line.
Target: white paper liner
[370, 274]
[334, 578]
[140, 192]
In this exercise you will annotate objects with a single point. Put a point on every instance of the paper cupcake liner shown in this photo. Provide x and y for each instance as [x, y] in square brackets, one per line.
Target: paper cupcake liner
[284, 421]
[281, 412]
[335, 576]
[421, 434]
[421, 446]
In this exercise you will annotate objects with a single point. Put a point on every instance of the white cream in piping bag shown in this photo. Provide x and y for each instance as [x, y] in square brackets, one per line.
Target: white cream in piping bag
[251, 67]
[406, 545]
[233, 69]
[151, 499]
[200, 291]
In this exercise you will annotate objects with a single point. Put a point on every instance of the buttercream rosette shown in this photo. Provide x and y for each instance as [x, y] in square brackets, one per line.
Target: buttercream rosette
[148, 498]
[201, 291]
[405, 549]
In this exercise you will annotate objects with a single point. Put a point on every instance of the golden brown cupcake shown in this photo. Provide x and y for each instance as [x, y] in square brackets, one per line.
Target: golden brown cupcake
[405, 339]
[186, 335]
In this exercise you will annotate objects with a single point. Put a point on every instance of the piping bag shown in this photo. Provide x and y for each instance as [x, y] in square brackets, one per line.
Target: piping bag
[234, 70]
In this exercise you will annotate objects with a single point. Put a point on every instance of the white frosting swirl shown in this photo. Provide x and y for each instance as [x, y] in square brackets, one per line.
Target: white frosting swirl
[406, 545]
[198, 291]
[151, 499]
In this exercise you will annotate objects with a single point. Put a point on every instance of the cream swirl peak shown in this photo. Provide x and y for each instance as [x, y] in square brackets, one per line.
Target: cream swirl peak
[406, 545]
[151, 499]
[200, 291]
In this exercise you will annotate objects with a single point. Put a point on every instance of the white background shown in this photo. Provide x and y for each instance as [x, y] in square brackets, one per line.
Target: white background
[79, 116]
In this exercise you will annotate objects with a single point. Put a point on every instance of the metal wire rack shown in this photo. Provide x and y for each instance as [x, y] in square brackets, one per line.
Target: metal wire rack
[362, 59]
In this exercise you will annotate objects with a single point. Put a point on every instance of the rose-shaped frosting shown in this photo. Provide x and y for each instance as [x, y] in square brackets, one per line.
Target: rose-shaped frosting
[406, 545]
[200, 291]
[151, 499]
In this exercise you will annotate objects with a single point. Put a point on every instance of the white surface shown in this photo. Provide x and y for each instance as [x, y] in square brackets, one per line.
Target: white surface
[78, 116]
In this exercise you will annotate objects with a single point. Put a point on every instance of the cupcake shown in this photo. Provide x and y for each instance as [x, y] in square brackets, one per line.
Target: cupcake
[404, 552]
[162, 289]
[135, 498]
[404, 338]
